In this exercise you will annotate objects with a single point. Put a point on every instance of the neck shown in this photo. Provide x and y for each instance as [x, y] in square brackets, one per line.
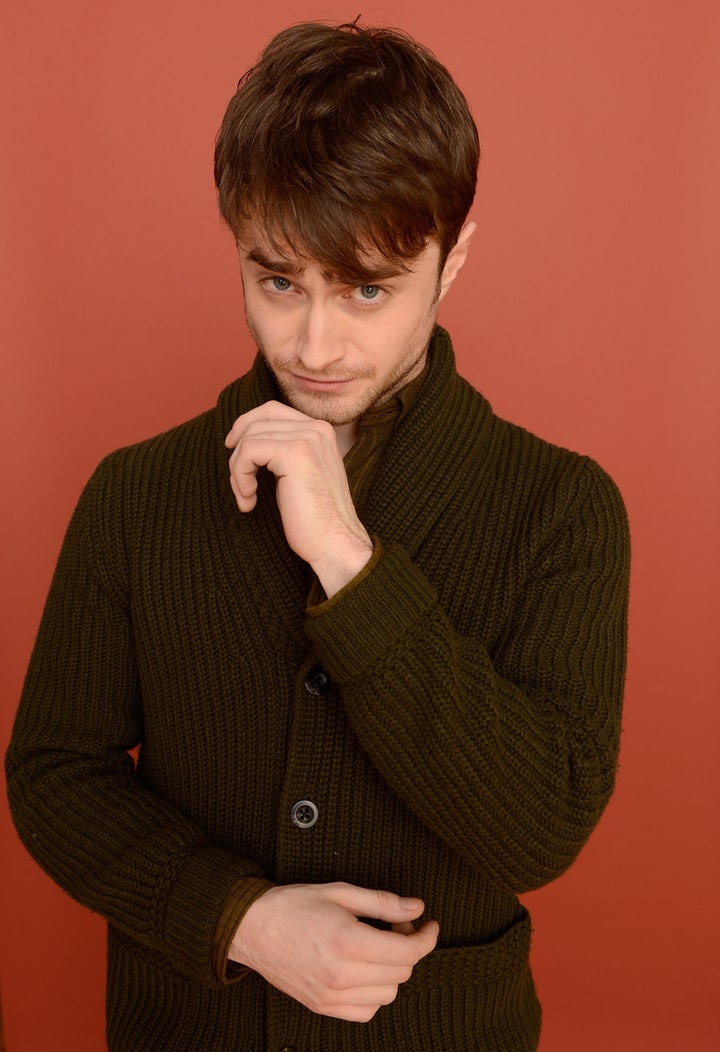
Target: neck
[345, 435]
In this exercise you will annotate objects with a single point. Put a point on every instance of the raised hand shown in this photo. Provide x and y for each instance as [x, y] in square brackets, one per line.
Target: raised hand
[318, 515]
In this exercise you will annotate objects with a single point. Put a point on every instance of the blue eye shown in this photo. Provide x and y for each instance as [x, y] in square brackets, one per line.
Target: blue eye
[369, 292]
[281, 284]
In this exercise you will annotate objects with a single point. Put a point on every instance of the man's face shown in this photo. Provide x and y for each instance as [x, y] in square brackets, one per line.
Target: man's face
[336, 347]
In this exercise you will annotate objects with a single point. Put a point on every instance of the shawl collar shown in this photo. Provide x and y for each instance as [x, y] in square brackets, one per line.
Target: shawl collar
[436, 450]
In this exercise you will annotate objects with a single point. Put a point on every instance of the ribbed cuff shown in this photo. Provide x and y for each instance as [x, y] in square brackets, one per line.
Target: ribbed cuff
[372, 617]
[194, 905]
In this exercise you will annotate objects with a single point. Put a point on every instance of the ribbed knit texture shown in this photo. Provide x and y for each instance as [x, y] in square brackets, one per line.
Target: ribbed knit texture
[464, 751]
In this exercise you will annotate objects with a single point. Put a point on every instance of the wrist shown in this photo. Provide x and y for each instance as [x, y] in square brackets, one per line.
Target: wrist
[241, 947]
[228, 939]
[338, 565]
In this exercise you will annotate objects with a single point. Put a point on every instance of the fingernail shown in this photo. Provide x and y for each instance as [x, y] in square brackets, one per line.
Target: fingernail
[411, 904]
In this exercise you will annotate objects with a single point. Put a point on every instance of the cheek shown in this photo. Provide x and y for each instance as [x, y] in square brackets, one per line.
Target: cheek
[405, 329]
[269, 327]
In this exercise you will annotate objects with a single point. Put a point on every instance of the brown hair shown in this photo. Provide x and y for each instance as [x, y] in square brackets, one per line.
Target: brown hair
[345, 141]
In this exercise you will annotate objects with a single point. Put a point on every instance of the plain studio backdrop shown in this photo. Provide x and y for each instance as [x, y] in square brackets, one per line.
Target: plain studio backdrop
[587, 312]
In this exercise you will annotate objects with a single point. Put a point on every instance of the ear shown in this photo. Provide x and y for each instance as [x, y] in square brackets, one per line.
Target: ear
[456, 257]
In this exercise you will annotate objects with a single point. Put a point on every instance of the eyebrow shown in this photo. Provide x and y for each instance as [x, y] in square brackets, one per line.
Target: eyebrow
[282, 266]
[296, 270]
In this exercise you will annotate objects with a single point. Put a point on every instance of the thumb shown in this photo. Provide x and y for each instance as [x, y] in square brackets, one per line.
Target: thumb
[380, 905]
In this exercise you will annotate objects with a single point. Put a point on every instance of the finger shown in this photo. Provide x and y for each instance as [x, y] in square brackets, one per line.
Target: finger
[382, 905]
[302, 428]
[348, 1013]
[424, 940]
[245, 461]
[243, 472]
[279, 453]
[349, 978]
[375, 996]
[270, 411]
[389, 948]
[246, 501]
[404, 927]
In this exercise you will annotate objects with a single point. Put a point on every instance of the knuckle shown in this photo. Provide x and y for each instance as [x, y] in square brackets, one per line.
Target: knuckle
[322, 998]
[414, 953]
[385, 899]
[338, 980]
[331, 999]
[332, 1006]
[325, 428]
[343, 944]
[389, 996]
[366, 1013]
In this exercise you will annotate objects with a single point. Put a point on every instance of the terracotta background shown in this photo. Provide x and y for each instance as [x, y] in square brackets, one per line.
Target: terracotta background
[588, 313]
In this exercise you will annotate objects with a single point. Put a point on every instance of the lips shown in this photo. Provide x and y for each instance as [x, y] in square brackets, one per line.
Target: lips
[311, 384]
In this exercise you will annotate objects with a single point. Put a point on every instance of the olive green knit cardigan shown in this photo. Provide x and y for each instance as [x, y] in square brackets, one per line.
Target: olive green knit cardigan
[459, 745]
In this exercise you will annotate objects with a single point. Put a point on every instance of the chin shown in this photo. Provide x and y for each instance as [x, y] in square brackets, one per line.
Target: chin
[323, 407]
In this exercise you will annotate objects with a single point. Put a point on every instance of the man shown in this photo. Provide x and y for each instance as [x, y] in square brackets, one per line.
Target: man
[368, 637]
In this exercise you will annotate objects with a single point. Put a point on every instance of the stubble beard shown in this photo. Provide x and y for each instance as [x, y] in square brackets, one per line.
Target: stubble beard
[326, 406]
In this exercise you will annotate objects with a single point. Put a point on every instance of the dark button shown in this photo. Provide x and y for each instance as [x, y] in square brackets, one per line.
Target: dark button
[317, 681]
[304, 814]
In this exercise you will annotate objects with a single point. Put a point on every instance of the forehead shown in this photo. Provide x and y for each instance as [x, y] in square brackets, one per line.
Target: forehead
[260, 246]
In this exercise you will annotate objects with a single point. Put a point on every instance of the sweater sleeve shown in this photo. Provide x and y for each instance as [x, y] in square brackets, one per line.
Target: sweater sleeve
[509, 757]
[77, 802]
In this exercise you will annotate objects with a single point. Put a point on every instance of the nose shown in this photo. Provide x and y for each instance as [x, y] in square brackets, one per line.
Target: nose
[319, 346]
